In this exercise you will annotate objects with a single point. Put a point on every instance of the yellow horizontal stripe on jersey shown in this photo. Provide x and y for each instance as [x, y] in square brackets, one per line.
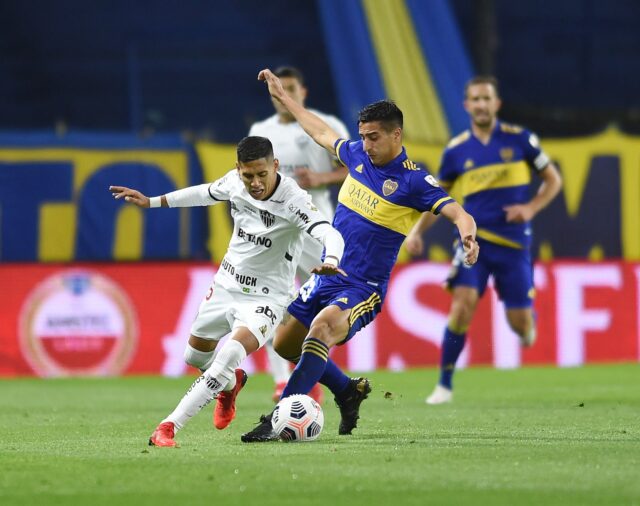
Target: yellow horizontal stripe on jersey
[435, 206]
[368, 204]
[497, 239]
[491, 177]
[338, 151]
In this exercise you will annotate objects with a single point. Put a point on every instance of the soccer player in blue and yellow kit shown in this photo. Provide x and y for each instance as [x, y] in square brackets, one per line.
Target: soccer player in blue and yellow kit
[381, 198]
[492, 162]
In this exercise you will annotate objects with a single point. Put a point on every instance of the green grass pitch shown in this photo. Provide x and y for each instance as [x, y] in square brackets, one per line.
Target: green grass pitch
[528, 436]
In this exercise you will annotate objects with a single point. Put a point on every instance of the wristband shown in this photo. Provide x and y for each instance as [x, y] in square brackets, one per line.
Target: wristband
[330, 259]
[155, 202]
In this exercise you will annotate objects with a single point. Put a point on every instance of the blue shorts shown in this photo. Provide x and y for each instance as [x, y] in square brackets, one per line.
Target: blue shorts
[364, 300]
[511, 268]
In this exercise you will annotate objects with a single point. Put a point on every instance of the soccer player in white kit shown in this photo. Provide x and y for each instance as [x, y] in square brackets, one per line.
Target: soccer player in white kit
[255, 281]
[314, 168]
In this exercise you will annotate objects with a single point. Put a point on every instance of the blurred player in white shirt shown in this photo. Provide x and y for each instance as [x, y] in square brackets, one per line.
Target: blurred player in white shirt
[314, 168]
[255, 281]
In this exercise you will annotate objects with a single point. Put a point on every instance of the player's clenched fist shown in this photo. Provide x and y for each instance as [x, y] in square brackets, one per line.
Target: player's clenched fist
[130, 195]
[471, 250]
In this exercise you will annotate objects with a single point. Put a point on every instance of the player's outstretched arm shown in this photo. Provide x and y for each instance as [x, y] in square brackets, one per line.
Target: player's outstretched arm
[317, 129]
[466, 228]
[191, 196]
[333, 247]
[135, 197]
[414, 242]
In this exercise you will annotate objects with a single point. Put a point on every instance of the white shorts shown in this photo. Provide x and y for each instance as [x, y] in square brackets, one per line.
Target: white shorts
[222, 311]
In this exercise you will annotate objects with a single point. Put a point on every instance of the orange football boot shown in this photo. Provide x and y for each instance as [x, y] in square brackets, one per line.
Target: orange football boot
[163, 436]
[225, 410]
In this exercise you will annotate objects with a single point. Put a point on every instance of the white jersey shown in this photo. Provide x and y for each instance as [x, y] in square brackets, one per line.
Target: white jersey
[267, 234]
[295, 149]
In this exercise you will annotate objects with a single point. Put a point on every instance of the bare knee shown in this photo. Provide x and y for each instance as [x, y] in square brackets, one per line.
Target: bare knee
[289, 338]
[286, 349]
[329, 330]
[322, 330]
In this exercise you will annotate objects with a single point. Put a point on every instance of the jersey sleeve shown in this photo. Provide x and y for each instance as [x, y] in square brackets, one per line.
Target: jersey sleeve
[203, 194]
[447, 173]
[220, 189]
[427, 194]
[304, 214]
[190, 197]
[533, 153]
[344, 151]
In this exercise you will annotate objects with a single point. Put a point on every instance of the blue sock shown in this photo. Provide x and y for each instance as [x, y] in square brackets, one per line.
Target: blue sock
[334, 379]
[310, 368]
[452, 345]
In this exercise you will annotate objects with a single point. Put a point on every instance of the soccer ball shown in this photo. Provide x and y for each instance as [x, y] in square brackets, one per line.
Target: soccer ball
[297, 418]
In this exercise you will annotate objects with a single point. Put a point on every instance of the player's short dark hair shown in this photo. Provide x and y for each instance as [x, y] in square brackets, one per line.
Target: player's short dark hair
[384, 111]
[482, 80]
[253, 148]
[288, 71]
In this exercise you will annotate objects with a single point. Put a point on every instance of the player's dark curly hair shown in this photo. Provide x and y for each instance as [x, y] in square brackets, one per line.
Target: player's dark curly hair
[384, 111]
[253, 148]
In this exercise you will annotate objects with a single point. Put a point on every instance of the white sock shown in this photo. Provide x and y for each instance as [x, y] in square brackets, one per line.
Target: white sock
[226, 362]
[197, 397]
[280, 368]
[205, 388]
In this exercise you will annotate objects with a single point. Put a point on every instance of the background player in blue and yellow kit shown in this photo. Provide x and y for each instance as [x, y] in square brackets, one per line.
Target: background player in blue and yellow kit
[378, 203]
[492, 162]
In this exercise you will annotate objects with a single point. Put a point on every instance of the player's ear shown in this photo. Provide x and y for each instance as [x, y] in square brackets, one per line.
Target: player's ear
[276, 163]
[498, 104]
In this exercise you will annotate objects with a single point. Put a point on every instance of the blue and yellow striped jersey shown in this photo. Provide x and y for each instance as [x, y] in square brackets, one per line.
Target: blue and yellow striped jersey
[377, 206]
[493, 176]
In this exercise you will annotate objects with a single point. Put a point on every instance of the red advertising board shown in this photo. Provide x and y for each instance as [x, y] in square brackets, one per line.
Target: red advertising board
[110, 319]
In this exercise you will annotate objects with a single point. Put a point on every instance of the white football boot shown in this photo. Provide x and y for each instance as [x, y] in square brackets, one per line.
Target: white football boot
[440, 395]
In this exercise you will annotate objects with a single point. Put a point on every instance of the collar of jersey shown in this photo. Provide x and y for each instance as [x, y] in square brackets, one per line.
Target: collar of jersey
[495, 130]
[393, 164]
[275, 190]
